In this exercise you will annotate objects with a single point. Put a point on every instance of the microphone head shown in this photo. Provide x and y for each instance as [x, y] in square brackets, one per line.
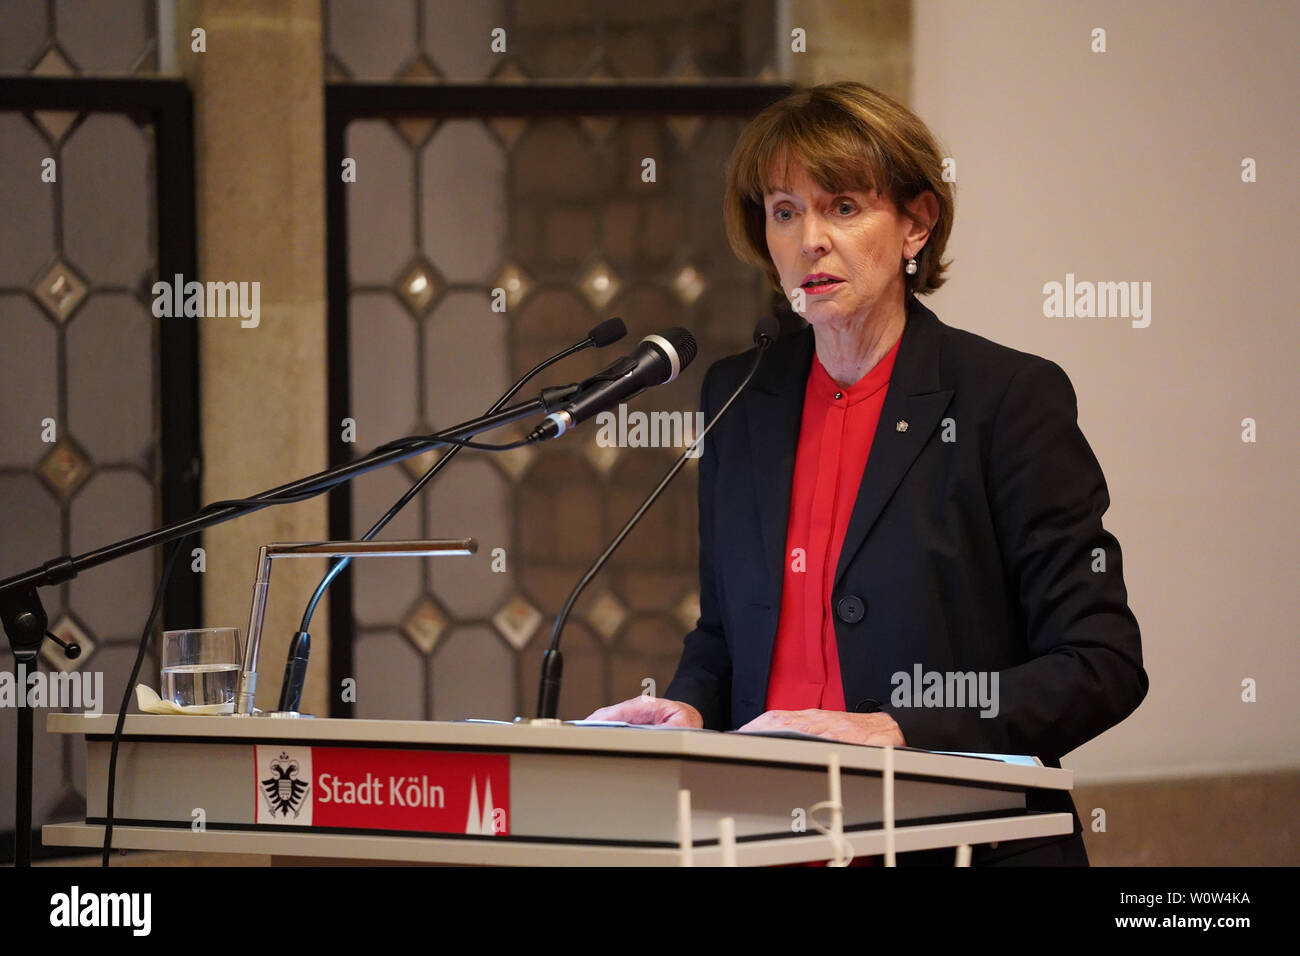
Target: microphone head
[682, 340]
[607, 333]
[766, 328]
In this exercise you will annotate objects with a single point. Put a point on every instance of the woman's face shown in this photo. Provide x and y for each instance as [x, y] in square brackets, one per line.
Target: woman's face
[857, 237]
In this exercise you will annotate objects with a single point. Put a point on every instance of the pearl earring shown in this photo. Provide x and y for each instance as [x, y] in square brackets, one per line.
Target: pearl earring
[910, 268]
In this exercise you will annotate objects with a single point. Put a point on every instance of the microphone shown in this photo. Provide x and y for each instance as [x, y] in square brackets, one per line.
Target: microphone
[766, 332]
[607, 333]
[658, 359]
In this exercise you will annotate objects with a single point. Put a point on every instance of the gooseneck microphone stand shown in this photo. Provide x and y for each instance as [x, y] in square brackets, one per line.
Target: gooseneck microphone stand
[295, 668]
[25, 621]
[548, 693]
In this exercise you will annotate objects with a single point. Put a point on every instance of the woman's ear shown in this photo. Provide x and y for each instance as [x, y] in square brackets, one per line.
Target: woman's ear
[924, 209]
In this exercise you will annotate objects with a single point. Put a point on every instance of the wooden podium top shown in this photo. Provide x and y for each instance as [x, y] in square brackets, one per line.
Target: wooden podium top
[525, 738]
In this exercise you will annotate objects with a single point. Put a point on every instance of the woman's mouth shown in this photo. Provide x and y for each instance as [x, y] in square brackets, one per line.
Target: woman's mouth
[818, 286]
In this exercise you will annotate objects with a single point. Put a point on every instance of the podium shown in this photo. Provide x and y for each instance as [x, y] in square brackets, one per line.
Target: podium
[474, 793]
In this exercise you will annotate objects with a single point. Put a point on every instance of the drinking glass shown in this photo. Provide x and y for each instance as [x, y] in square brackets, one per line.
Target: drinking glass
[200, 666]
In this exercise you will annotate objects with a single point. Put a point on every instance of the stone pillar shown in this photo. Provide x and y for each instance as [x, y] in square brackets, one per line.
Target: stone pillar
[866, 40]
[259, 131]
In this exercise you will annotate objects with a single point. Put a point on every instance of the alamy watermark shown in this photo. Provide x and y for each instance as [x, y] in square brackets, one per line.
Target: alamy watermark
[946, 689]
[650, 430]
[209, 300]
[1084, 299]
[80, 690]
[133, 911]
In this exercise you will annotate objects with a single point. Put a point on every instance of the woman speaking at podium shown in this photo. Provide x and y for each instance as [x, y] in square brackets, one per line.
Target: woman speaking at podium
[901, 534]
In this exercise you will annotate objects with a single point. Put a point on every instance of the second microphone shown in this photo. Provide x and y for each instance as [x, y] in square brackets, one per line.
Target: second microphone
[658, 359]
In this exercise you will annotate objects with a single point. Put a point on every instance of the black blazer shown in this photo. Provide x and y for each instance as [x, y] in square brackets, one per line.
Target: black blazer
[977, 553]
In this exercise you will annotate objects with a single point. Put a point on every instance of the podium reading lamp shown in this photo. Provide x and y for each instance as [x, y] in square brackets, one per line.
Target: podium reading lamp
[296, 666]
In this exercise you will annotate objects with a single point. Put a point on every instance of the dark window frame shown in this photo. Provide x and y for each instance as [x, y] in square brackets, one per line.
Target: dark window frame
[169, 106]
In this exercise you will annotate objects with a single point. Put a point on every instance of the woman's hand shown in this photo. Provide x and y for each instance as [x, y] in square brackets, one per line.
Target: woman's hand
[651, 710]
[876, 729]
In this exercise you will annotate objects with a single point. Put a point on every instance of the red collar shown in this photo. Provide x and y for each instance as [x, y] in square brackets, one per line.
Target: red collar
[822, 386]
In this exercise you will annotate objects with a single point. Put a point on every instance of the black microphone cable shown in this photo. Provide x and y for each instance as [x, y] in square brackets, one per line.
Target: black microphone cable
[168, 567]
[548, 693]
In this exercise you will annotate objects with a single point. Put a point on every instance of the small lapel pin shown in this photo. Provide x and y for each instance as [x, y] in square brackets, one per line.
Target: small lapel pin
[901, 426]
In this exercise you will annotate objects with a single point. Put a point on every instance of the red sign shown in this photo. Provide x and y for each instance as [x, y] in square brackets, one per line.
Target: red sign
[359, 788]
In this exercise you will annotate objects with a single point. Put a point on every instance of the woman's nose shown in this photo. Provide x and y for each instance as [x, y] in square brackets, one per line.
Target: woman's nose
[815, 238]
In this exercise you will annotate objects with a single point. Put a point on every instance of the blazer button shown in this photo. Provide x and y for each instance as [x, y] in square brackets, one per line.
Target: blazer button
[867, 706]
[851, 609]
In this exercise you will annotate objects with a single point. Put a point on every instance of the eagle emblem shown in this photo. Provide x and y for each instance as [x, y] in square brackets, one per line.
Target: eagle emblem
[283, 790]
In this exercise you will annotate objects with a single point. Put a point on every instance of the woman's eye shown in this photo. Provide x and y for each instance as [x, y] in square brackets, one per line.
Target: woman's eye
[845, 206]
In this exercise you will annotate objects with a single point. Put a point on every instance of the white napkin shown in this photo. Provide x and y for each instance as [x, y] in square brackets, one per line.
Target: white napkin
[148, 701]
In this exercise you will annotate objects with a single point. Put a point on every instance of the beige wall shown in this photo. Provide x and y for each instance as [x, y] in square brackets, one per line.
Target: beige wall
[1126, 165]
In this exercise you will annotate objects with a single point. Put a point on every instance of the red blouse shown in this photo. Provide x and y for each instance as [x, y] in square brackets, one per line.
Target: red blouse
[834, 441]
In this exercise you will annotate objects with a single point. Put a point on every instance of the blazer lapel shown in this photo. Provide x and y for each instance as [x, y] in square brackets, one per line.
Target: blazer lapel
[773, 411]
[914, 405]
